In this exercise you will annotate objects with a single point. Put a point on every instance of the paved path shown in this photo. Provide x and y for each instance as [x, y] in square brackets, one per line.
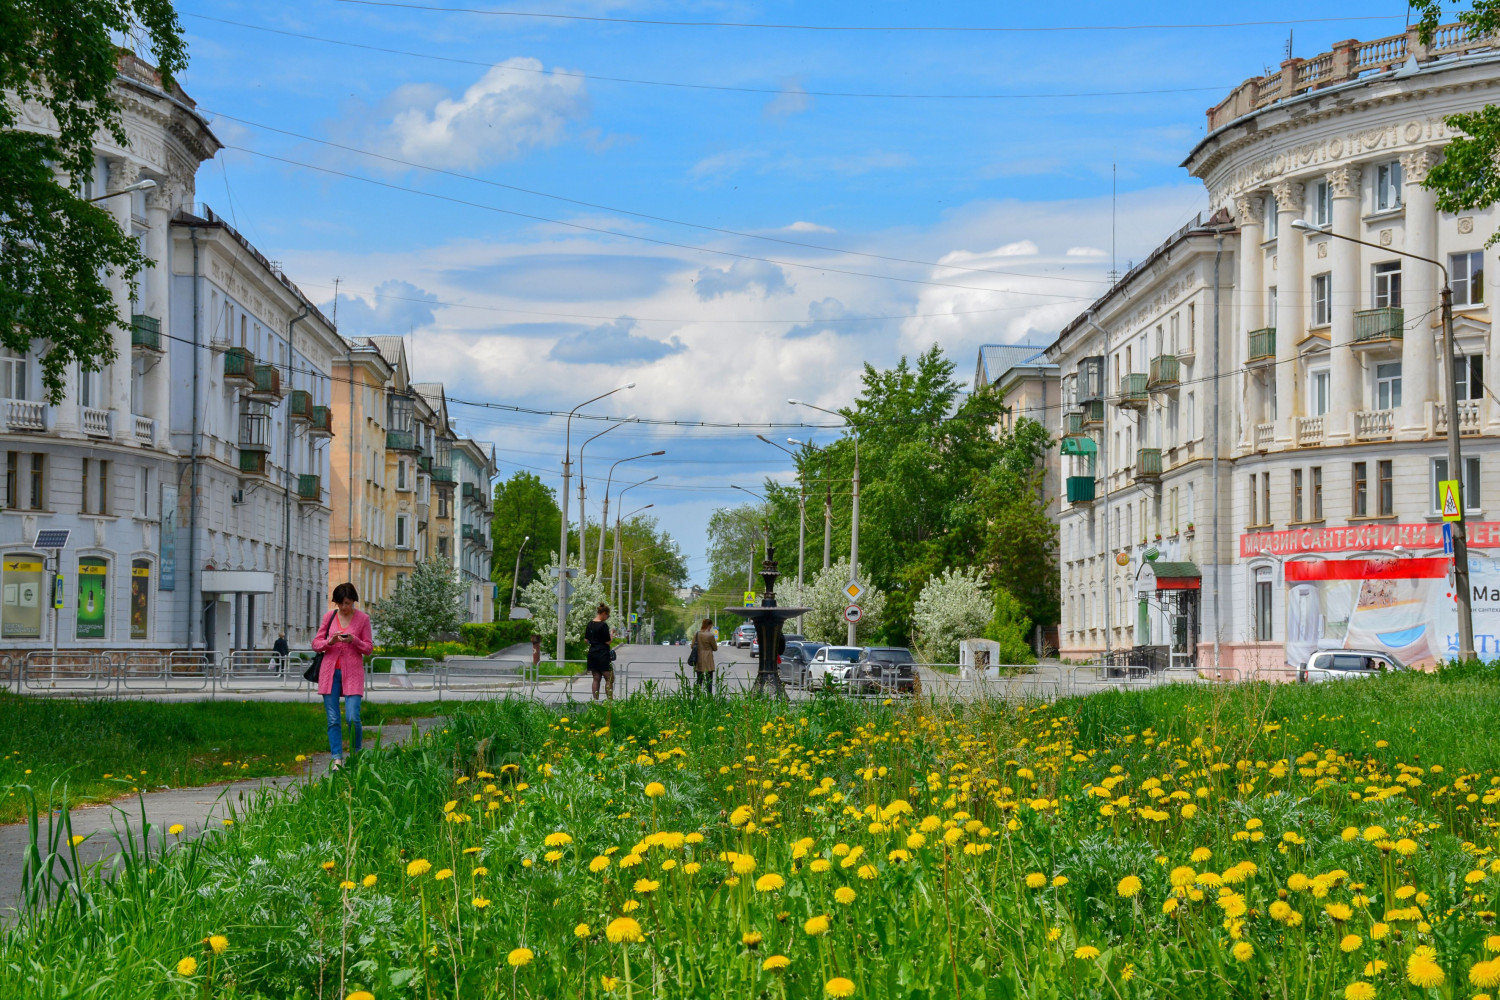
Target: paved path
[197, 809]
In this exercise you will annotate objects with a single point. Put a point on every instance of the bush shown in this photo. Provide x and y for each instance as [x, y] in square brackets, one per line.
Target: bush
[1010, 627]
[487, 637]
[1475, 669]
[952, 607]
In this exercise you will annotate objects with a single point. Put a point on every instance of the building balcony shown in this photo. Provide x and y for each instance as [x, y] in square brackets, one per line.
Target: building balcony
[401, 441]
[1310, 432]
[145, 332]
[300, 407]
[239, 366]
[309, 488]
[1072, 425]
[1262, 347]
[1093, 412]
[1470, 420]
[1374, 425]
[24, 414]
[471, 491]
[442, 475]
[1147, 465]
[253, 463]
[1133, 394]
[474, 535]
[424, 464]
[1080, 490]
[424, 514]
[96, 422]
[1164, 372]
[266, 384]
[255, 432]
[1378, 325]
[145, 429]
[1265, 436]
[321, 422]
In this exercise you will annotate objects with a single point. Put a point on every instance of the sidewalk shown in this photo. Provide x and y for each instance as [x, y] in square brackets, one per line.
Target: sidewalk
[197, 809]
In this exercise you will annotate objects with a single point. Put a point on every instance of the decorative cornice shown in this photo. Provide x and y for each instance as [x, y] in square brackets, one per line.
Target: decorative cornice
[1289, 195]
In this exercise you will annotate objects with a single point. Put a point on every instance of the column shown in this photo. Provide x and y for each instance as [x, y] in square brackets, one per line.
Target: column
[115, 378]
[157, 297]
[1291, 304]
[1347, 394]
[1250, 290]
[1419, 299]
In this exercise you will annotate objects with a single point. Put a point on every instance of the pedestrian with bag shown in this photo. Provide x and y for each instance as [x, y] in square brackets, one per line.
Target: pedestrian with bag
[601, 657]
[701, 657]
[281, 651]
[342, 643]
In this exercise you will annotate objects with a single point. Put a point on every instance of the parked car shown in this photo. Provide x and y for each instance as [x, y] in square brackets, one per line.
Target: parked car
[743, 636]
[831, 665]
[794, 662]
[1346, 665]
[885, 668]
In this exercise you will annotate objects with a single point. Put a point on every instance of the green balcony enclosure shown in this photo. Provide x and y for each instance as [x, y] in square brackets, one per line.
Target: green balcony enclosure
[1133, 390]
[145, 331]
[300, 406]
[267, 381]
[1148, 463]
[252, 463]
[400, 441]
[1262, 344]
[239, 363]
[1378, 324]
[1164, 372]
[309, 488]
[1080, 489]
[442, 474]
[1072, 424]
[321, 422]
[1093, 413]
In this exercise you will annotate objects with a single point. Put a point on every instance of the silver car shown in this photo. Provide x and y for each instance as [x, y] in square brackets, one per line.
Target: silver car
[1347, 664]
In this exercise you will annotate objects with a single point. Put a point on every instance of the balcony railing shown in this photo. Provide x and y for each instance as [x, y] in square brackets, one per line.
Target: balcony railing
[25, 415]
[1072, 424]
[239, 364]
[1133, 390]
[1374, 425]
[1262, 345]
[145, 429]
[1164, 372]
[309, 488]
[1148, 463]
[1265, 436]
[400, 441]
[267, 382]
[1093, 413]
[96, 422]
[442, 475]
[322, 422]
[1469, 418]
[252, 463]
[145, 331]
[1378, 324]
[300, 407]
[1309, 431]
[1080, 489]
[255, 432]
[471, 492]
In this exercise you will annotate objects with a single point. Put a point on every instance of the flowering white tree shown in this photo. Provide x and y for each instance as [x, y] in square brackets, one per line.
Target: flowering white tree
[825, 599]
[540, 598]
[952, 607]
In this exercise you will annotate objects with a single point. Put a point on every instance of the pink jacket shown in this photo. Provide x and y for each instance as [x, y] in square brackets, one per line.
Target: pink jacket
[346, 656]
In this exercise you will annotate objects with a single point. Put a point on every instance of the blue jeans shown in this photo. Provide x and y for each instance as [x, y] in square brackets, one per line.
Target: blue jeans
[351, 711]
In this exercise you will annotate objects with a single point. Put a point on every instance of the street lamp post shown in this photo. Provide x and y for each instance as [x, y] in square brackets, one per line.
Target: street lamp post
[616, 555]
[562, 545]
[516, 576]
[620, 498]
[827, 503]
[801, 509]
[1463, 594]
[604, 518]
[854, 523]
[583, 521]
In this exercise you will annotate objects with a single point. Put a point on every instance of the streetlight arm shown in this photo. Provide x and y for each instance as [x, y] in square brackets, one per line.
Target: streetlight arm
[1307, 227]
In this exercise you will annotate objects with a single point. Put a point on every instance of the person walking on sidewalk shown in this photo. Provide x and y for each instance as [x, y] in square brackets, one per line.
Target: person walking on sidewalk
[281, 651]
[705, 645]
[345, 640]
[601, 657]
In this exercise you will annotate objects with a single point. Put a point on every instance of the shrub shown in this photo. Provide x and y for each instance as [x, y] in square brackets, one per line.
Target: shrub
[952, 607]
[1010, 627]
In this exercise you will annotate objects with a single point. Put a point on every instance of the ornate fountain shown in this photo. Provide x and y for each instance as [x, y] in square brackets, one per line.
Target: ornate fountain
[768, 619]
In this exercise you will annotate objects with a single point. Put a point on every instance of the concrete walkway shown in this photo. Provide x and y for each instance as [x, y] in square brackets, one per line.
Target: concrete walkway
[199, 810]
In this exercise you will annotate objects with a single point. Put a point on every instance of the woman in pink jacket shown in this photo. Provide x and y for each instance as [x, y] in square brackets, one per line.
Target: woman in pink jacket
[344, 639]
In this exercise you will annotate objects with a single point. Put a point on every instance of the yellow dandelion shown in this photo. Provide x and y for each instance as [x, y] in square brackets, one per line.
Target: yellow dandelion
[839, 987]
[769, 882]
[1243, 951]
[1036, 880]
[368, 881]
[1128, 886]
[1359, 990]
[775, 963]
[843, 894]
[187, 966]
[519, 957]
[421, 866]
[623, 930]
[656, 789]
[218, 944]
[816, 925]
[1086, 953]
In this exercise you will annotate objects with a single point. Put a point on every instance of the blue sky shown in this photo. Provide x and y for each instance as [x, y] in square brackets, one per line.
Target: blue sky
[516, 298]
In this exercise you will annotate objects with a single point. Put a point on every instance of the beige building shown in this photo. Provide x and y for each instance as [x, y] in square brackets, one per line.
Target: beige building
[1027, 380]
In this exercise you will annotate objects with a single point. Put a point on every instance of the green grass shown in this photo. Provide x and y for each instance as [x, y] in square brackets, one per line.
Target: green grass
[105, 749]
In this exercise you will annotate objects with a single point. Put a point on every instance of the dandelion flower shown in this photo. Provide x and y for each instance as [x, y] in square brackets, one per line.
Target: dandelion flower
[915, 842]
[187, 966]
[346, 885]
[1086, 952]
[479, 902]
[1338, 911]
[867, 872]
[775, 963]
[519, 957]
[1181, 876]
[743, 864]
[1359, 990]
[1058, 881]
[175, 829]
[1485, 975]
[1492, 943]
[656, 789]
[1423, 973]
[752, 939]
[1243, 951]
[646, 886]
[1351, 942]
[552, 857]
[1128, 886]
[217, 943]
[421, 866]
[581, 930]
[844, 895]
[599, 863]
[623, 930]
[1375, 968]
[1201, 854]
[609, 983]
[443, 873]
[839, 987]
[816, 926]
[368, 881]
[328, 866]
[558, 839]
[360, 995]
[691, 868]
[1036, 880]
[769, 882]
[819, 866]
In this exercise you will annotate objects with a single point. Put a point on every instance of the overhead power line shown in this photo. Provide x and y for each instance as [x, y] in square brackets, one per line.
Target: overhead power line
[719, 87]
[939, 28]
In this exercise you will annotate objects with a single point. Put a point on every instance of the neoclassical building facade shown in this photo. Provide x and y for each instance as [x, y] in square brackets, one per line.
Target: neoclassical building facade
[1332, 382]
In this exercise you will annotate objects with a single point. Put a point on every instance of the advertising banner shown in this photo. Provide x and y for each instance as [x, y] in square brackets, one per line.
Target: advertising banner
[21, 609]
[93, 603]
[140, 599]
[166, 578]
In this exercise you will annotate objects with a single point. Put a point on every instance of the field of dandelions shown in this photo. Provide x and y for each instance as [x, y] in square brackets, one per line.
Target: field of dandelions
[1334, 841]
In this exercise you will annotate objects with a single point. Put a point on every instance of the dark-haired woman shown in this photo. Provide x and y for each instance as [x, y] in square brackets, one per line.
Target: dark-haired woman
[600, 661]
[345, 640]
[707, 645]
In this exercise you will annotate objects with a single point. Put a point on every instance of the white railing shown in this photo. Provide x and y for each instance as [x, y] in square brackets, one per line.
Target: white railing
[25, 415]
[95, 422]
[1373, 425]
[1381, 52]
[1309, 431]
[145, 429]
[1265, 435]
[1469, 418]
[1315, 69]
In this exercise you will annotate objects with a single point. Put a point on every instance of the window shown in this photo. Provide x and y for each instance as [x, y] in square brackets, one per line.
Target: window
[1361, 490]
[1321, 291]
[143, 494]
[1388, 284]
[1271, 307]
[89, 393]
[1386, 490]
[12, 480]
[442, 504]
[1272, 223]
[401, 474]
[1388, 186]
[13, 374]
[401, 534]
[1469, 488]
[38, 468]
[1466, 276]
[1296, 494]
[1176, 330]
[1388, 385]
[443, 546]
[95, 499]
[1322, 206]
[1171, 423]
[1468, 377]
[1253, 518]
[1263, 605]
[1191, 409]
[1265, 496]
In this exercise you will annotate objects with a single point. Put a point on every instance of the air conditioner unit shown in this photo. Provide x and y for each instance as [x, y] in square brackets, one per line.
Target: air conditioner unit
[238, 496]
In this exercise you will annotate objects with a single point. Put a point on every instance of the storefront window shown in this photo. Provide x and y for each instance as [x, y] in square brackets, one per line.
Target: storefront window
[93, 593]
[21, 610]
[140, 599]
[1263, 605]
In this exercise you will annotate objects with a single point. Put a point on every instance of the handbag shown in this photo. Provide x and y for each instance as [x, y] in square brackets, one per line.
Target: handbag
[692, 660]
[311, 673]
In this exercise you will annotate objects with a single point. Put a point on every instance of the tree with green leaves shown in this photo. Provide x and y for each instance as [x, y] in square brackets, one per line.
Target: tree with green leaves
[57, 251]
[429, 602]
[824, 598]
[952, 607]
[524, 506]
[1020, 532]
[540, 597]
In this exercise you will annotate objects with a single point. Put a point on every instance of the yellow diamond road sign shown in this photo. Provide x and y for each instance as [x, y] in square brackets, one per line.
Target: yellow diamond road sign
[853, 591]
[1448, 493]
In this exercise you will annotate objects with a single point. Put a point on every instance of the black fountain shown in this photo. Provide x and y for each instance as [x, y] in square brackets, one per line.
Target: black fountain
[768, 619]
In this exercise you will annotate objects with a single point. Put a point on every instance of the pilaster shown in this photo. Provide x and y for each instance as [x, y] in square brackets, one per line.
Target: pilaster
[1345, 291]
[1419, 297]
[1291, 304]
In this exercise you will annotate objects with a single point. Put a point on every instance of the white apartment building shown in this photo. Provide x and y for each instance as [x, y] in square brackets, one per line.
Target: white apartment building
[1332, 391]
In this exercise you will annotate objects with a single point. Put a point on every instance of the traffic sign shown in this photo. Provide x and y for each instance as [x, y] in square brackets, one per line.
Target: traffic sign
[1448, 492]
[57, 591]
[571, 571]
[1447, 539]
[749, 599]
[635, 619]
[853, 613]
[853, 591]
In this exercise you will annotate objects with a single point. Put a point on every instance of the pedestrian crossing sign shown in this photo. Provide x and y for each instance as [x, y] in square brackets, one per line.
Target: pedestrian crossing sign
[1448, 495]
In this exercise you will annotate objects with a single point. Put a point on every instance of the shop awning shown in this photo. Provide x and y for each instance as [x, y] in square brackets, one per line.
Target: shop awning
[1079, 446]
[1178, 576]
